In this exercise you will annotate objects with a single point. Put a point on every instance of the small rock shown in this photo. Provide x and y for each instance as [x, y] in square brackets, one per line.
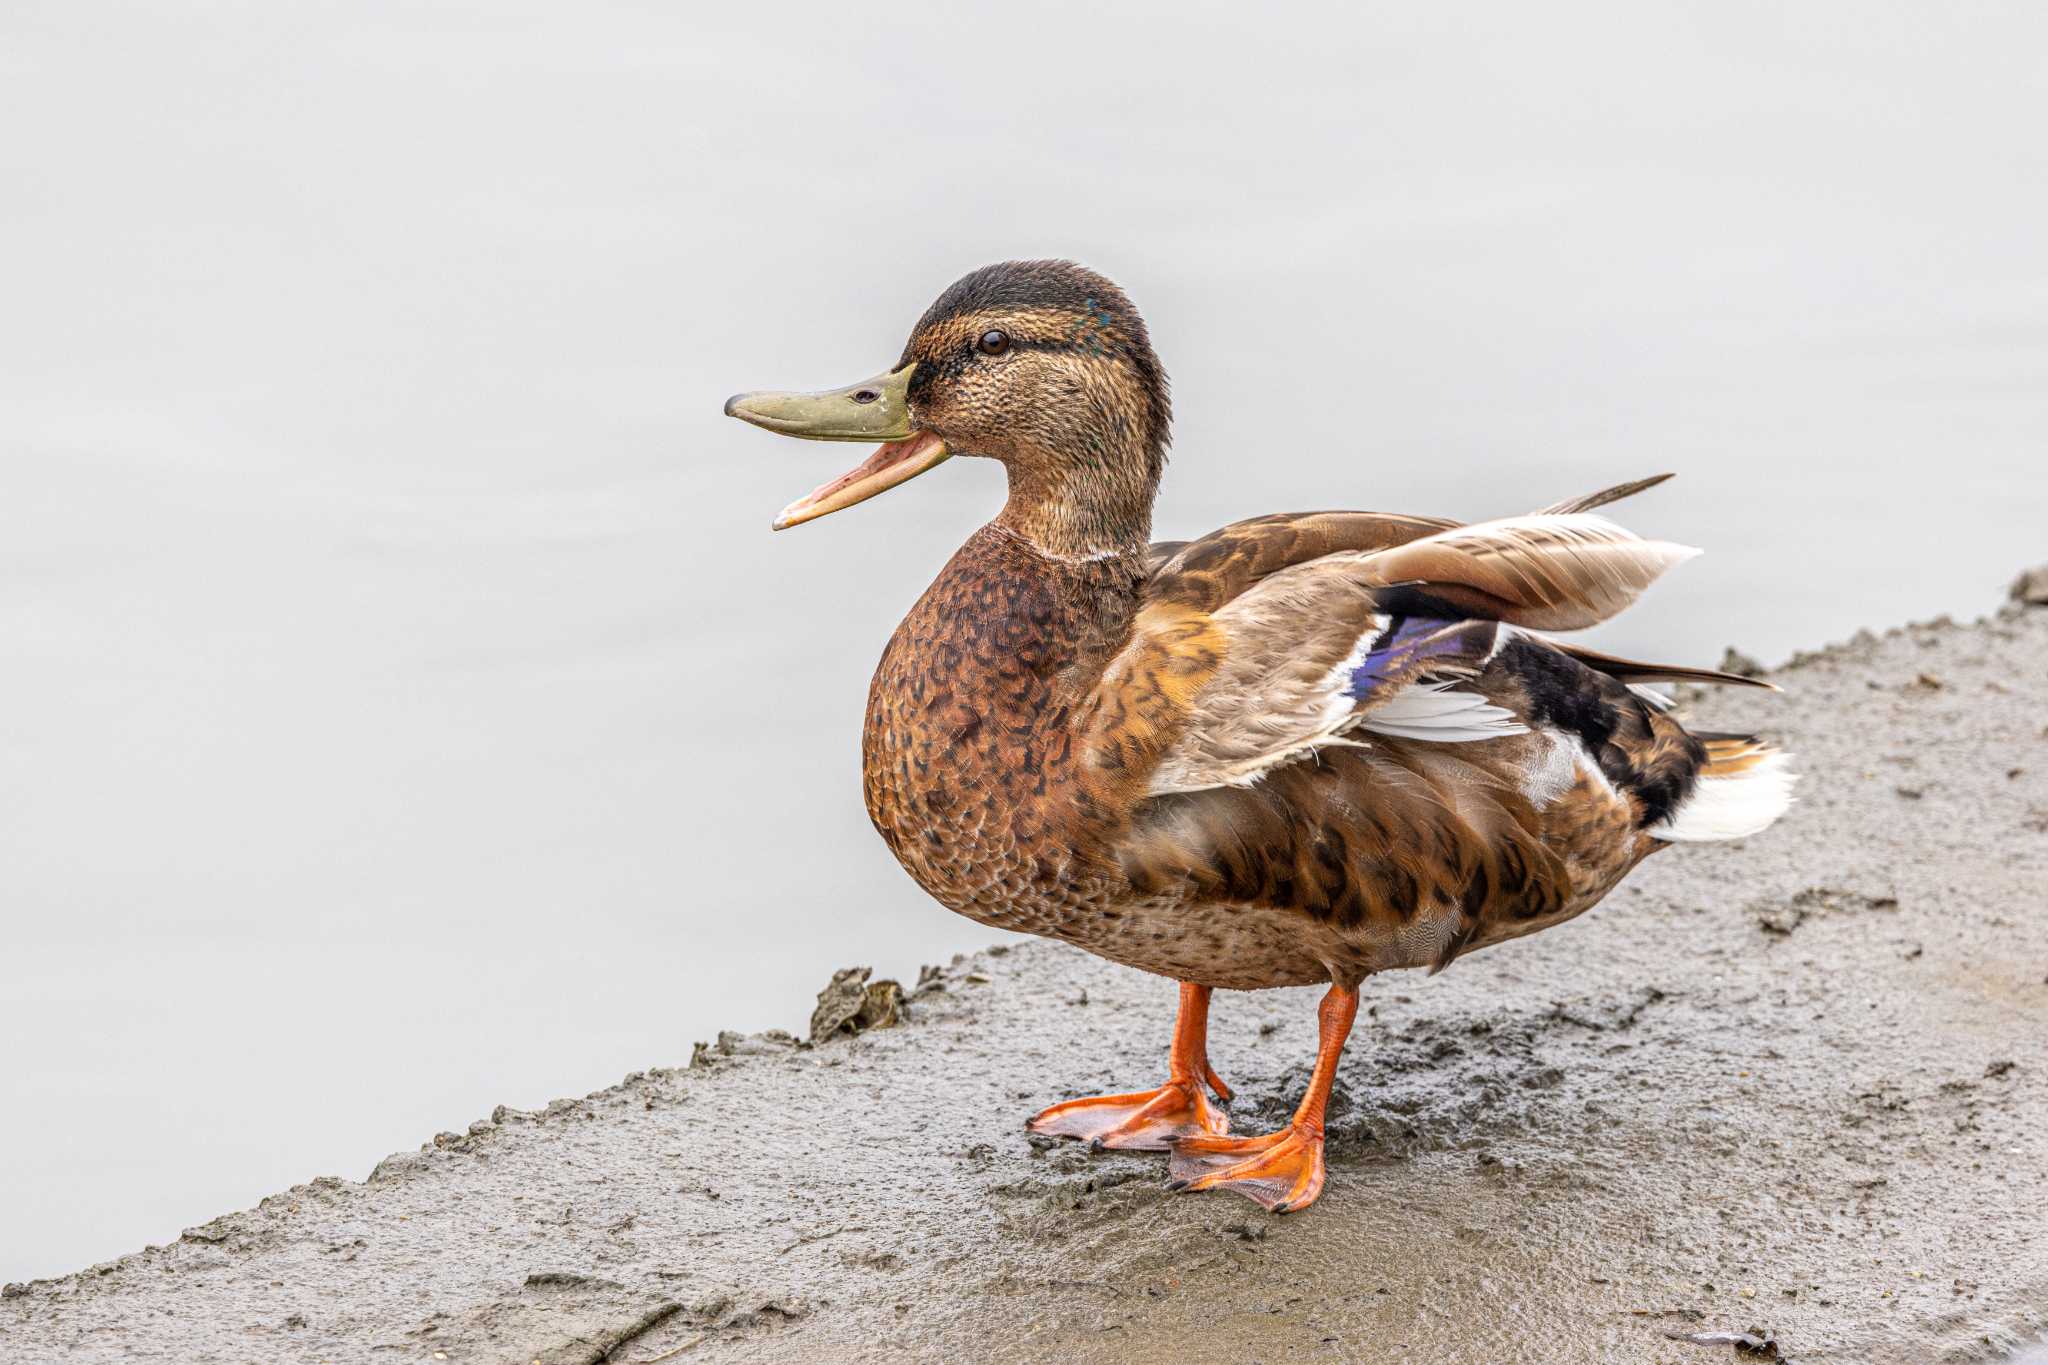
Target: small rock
[1781, 921]
[390, 1168]
[2031, 587]
[1735, 661]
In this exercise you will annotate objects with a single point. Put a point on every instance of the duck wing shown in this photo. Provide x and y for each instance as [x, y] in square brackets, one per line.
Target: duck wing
[1546, 571]
[1209, 571]
[1377, 640]
[1642, 671]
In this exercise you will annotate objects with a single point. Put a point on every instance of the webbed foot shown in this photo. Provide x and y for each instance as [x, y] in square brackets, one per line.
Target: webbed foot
[1144, 1120]
[1280, 1171]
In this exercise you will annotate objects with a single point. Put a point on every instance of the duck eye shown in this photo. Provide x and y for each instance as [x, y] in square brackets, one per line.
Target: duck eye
[993, 342]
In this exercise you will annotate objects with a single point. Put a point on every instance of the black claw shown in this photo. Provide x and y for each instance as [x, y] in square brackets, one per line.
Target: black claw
[1095, 1145]
[1176, 1186]
[1281, 1207]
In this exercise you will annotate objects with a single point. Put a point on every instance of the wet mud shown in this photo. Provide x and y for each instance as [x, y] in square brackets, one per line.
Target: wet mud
[1784, 1100]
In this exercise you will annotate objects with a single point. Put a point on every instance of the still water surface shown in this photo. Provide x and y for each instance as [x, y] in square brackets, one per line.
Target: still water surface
[405, 707]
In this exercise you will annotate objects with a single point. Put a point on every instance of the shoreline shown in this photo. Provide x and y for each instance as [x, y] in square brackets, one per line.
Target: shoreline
[1795, 1088]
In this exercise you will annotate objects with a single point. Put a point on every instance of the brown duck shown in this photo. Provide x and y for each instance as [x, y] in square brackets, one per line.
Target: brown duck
[1299, 750]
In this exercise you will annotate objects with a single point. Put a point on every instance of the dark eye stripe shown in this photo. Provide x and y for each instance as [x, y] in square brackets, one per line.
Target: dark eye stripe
[1016, 343]
[954, 364]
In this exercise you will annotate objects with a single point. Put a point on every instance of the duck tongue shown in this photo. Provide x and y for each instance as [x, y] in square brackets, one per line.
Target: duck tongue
[894, 463]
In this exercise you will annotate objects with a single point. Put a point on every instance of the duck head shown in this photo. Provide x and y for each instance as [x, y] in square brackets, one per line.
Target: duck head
[1042, 365]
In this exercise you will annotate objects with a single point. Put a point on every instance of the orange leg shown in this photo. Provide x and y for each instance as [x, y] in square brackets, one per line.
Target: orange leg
[1149, 1120]
[1282, 1171]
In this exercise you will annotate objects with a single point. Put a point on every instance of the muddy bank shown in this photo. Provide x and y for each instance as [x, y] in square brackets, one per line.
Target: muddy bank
[1795, 1090]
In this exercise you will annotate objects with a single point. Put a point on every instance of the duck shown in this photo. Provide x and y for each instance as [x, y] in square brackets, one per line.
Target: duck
[1301, 750]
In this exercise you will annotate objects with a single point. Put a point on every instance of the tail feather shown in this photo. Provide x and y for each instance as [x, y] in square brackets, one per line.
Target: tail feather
[1743, 787]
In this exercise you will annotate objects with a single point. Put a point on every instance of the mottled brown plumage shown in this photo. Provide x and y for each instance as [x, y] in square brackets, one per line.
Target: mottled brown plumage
[1301, 749]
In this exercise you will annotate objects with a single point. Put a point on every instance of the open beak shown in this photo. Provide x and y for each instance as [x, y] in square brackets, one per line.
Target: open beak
[875, 409]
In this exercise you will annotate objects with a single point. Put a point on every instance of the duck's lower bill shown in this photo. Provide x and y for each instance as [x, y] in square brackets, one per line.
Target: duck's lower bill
[897, 462]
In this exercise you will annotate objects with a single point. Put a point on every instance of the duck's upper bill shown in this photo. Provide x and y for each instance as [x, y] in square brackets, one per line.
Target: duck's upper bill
[875, 409]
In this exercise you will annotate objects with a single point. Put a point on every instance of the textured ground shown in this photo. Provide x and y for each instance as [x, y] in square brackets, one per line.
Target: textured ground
[1796, 1088]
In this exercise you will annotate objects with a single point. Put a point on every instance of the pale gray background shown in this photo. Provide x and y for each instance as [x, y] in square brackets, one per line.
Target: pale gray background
[404, 706]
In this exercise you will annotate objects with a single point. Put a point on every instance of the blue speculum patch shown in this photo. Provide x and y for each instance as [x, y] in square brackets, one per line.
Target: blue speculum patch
[1409, 641]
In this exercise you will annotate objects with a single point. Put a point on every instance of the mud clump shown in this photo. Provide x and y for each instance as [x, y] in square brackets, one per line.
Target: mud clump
[2030, 589]
[850, 1003]
[1781, 920]
[1742, 665]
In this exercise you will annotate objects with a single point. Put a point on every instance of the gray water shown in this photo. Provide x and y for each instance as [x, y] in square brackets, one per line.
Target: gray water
[405, 708]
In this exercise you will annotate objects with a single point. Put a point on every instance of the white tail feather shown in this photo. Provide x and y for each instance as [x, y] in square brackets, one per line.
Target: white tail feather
[1732, 807]
[1659, 701]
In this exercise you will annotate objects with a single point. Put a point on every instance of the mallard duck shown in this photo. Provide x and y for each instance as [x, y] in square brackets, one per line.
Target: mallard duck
[1300, 750]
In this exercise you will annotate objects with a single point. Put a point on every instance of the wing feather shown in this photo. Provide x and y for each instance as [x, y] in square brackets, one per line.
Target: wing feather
[1550, 571]
[1322, 624]
[1589, 501]
[1215, 569]
[1307, 657]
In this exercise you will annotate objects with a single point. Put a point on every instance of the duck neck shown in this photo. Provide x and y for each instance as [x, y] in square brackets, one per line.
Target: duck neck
[1078, 512]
